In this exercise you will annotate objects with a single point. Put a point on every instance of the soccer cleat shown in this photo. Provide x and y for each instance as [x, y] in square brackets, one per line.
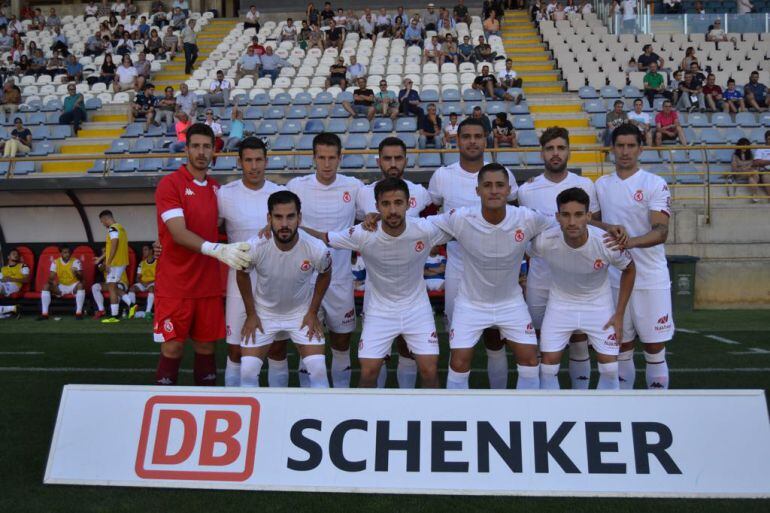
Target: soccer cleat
[17, 312]
[42, 317]
[132, 311]
[110, 320]
[78, 316]
[99, 314]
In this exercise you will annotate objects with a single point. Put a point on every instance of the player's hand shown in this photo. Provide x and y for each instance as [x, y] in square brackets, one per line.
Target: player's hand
[265, 233]
[314, 328]
[157, 249]
[250, 327]
[616, 322]
[106, 269]
[616, 237]
[370, 222]
[235, 255]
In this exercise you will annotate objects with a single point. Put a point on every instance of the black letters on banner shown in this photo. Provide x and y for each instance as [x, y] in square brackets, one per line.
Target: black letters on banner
[510, 453]
[384, 445]
[545, 447]
[314, 451]
[595, 447]
[336, 441]
[643, 448]
[439, 446]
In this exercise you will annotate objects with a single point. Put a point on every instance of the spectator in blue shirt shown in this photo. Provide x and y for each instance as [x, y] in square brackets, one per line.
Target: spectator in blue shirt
[74, 69]
[413, 34]
[409, 101]
[435, 267]
[733, 98]
[755, 93]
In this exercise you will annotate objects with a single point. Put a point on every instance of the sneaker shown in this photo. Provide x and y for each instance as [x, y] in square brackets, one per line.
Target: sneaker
[42, 317]
[132, 311]
[78, 316]
[99, 314]
[110, 320]
[17, 312]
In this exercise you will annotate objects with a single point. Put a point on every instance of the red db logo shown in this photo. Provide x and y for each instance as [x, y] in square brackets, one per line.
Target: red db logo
[201, 438]
[598, 264]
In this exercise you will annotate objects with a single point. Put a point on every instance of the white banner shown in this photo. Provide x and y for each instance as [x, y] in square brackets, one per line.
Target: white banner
[572, 443]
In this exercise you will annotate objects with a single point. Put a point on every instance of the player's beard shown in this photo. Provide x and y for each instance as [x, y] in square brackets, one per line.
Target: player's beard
[394, 221]
[394, 172]
[285, 236]
[555, 170]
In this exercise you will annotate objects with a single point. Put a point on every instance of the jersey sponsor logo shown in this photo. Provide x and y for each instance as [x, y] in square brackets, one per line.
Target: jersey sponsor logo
[529, 329]
[518, 235]
[412, 202]
[188, 192]
[639, 195]
[346, 197]
[351, 230]
[305, 266]
[419, 246]
[598, 264]
[663, 323]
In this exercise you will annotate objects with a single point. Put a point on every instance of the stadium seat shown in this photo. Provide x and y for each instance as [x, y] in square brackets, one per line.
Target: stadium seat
[355, 141]
[594, 106]
[359, 126]
[276, 163]
[173, 163]
[260, 100]
[376, 139]
[281, 99]
[410, 140]
[732, 135]
[508, 158]
[406, 124]
[528, 138]
[44, 261]
[40, 132]
[451, 108]
[143, 145]
[609, 92]
[711, 135]
[267, 128]
[23, 168]
[337, 126]
[338, 111]
[429, 95]
[650, 157]
[42, 148]
[352, 161]
[472, 95]
[450, 95]
[291, 127]
[225, 164]
[588, 93]
[61, 132]
[302, 162]
[382, 125]
[296, 112]
[371, 162]
[273, 113]
[698, 120]
[523, 123]
[323, 98]
[150, 165]
[303, 99]
[746, 119]
[319, 112]
[252, 112]
[675, 156]
[127, 166]
[722, 119]
[429, 160]
[283, 143]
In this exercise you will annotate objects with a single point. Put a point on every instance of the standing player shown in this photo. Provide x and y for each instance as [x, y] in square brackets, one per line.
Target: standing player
[145, 281]
[65, 277]
[641, 202]
[580, 297]
[115, 260]
[188, 283]
[454, 186]
[285, 298]
[243, 210]
[330, 205]
[493, 239]
[96, 288]
[13, 275]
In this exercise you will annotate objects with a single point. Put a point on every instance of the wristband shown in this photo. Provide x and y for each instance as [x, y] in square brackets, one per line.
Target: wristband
[208, 248]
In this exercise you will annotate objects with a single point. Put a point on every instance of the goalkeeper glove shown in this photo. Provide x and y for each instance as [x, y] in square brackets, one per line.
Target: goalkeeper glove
[234, 255]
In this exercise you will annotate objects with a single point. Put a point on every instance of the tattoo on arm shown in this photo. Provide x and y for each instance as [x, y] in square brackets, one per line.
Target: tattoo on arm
[661, 228]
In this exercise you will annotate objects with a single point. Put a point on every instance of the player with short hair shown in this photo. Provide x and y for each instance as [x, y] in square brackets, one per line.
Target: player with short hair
[145, 281]
[13, 275]
[641, 202]
[287, 296]
[96, 288]
[580, 297]
[329, 200]
[188, 288]
[494, 238]
[115, 260]
[65, 277]
[454, 186]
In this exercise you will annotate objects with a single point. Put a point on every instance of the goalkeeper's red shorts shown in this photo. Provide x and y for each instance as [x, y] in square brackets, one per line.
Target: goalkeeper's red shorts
[201, 319]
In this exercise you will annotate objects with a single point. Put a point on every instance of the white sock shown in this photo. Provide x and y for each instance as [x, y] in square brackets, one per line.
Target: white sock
[341, 369]
[96, 290]
[608, 376]
[549, 376]
[579, 365]
[278, 373]
[529, 377]
[382, 378]
[457, 380]
[45, 301]
[7, 309]
[406, 372]
[232, 373]
[80, 299]
[150, 301]
[497, 368]
[316, 367]
[250, 367]
[114, 309]
[304, 377]
[131, 298]
[126, 298]
[626, 370]
[656, 370]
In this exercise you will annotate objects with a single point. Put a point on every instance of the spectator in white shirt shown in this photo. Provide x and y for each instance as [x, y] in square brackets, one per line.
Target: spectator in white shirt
[126, 77]
[289, 31]
[252, 19]
[219, 91]
[450, 131]
[508, 77]
[744, 6]
[355, 70]
[432, 51]
[91, 10]
[382, 23]
[642, 121]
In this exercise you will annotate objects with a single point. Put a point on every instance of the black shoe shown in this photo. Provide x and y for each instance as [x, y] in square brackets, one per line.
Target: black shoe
[42, 317]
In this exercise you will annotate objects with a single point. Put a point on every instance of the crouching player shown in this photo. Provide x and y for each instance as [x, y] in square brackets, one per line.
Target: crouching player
[580, 298]
[145, 281]
[284, 299]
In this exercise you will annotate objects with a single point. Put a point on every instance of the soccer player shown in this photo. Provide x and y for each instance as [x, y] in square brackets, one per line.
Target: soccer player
[493, 239]
[115, 260]
[396, 300]
[329, 200]
[145, 281]
[243, 211]
[13, 275]
[287, 296]
[188, 288]
[580, 297]
[453, 187]
[641, 202]
[96, 288]
[65, 278]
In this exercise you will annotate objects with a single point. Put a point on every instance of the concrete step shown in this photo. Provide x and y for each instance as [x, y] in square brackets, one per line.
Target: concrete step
[544, 89]
[555, 108]
[83, 149]
[110, 118]
[78, 166]
[561, 121]
[100, 132]
[530, 58]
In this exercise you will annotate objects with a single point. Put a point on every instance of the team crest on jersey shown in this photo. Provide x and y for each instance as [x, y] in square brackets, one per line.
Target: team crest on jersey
[639, 195]
[168, 326]
[598, 264]
[451, 211]
[305, 266]
[419, 246]
[412, 202]
[346, 197]
[518, 236]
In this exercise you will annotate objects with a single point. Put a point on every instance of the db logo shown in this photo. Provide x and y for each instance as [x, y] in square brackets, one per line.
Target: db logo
[346, 197]
[419, 246]
[168, 326]
[598, 264]
[198, 438]
[639, 195]
[412, 202]
[518, 236]
[305, 266]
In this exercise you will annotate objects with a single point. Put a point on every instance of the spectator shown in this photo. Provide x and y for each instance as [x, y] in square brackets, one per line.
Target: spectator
[338, 74]
[654, 84]
[483, 52]
[712, 93]
[507, 76]
[258, 48]
[382, 23]
[6, 41]
[586, 7]
[761, 161]
[27, 13]
[165, 109]
[363, 101]
[19, 142]
[432, 51]
[672, 6]
[177, 19]
[642, 121]
[304, 35]
[629, 16]
[143, 107]
[73, 110]
[94, 45]
[689, 58]
[340, 19]
[450, 50]
[673, 86]
[315, 38]
[744, 6]
[170, 43]
[180, 127]
[366, 26]
[142, 66]
[733, 98]
[144, 28]
[248, 64]
[211, 121]
[183, 6]
[385, 102]
[356, 70]
[435, 269]
[667, 127]
[327, 15]
[697, 73]
[755, 93]
[615, 118]
[446, 25]
[477, 113]
[219, 91]
[466, 52]
[413, 34]
[743, 165]
[186, 102]
[59, 42]
[352, 25]
[409, 101]
[335, 36]
[190, 45]
[106, 73]
[126, 77]
[647, 58]
[503, 133]
[450, 131]
[559, 14]
[237, 129]
[430, 129]
[53, 20]
[271, 64]
[74, 69]
[154, 45]
[124, 45]
[691, 93]
[289, 31]
[491, 25]
[56, 66]
[251, 19]
[118, 7]
[401, 14]
[430, 18]
[487, 84]
[11, 97]
[312, 16]
[158, 13]
[460, 12]
[91, 10]
[38, 21]
[717, 35]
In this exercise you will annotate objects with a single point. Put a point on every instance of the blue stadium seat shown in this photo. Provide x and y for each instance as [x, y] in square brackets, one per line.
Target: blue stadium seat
[260, 99]
[173, 163]
[252, 112]
[691, 135]
[318, 112]
[609, 92]
[523, 123]
[134, 130]
[52, 118]
[337, 126]
[508, 158]
[23, 168]
[758, 135]
[764, 119]
[431, 95]
[226, 114]
[410, 140]
[650, 157]
[724, 156]
[305, 142]
[495, 107]
[531, 158]
[430, 161]
[274, 113]
[267, 128]
[587, 93]
[371, 162]
[352, 161]
[594, 106]
[4, 168]
[323, 98]
[117, 146]
[225, 164]
[599, 120]
[283, 143]
[711, 135]
[698, 120]
[40, 132]
[382, 125]
[157, 131]
[376, 139]
[472, 95]
[406, 124]
[276, 163]
[52, 105]
[127, 166]
[150, 165]
[282, 99]
[144, 145]
[688, 174]
[97, 168]
[355, 142]
[339, 112]
[302, 162]
[746, 119]
[302, 99]
[662, 170]
[450, 95]
[291, 127]
[344, 96]
[722, 119]
[527, 138]
[631, 92]
[733, 134]
[359, 126]
[314, 126]
[450, 158]
[296, 112]
[449, 108]
[675, 156]
[35, 118]
[521, 108]
[42, 148]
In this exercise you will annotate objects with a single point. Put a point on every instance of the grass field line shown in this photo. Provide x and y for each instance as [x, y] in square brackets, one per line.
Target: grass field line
[6, 353]
[723, 340]
[131, 353]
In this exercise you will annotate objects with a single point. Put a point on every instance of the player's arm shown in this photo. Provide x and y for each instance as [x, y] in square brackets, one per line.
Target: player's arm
[114, 236]
[314, 328]
[618, 236]
[25, 276]
[322, 236]
[252, 322]
[627, 278]
[657, 235]
[234, 255]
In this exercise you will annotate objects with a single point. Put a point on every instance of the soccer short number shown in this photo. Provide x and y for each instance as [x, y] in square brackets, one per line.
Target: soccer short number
[338, 307]
[648, 315]
[273, 327]
[201, 319]
[470, 321]
[116, 272]
[537, 299]
[417, 325]
[559, 323]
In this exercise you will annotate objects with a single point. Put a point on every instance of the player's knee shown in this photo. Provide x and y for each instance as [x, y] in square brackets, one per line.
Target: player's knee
[172, 349]
[205, 348]
[550, 358]
[654, 348]
[626, 346]
[460, 362]
[234, 353]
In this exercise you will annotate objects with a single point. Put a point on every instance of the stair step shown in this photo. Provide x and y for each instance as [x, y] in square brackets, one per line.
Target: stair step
[83, 149]
[535, 67]
[100, 132]
[109, 118]
[582, 139]
[543, 89]
[586, 157]
[529, 57]
[556, 108]
[78, 166]
[565, 122]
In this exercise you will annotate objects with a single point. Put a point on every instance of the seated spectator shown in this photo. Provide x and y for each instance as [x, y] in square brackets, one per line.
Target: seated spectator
[131, 8]
[219, 91]
[432, 51]
[186, 102]
[688, 59]
[19, 142]
[340, 19]
[363, 101]
[642, 121]
[106, 73]
[142, 66]
[327, 14]
[477, 113]
[38, 21]
[124, 44]
[143, 107]
[483, 52]
[171, 43]
[94, 45]
[251, 19]
[672, 6]
[126, 77]
[74, 69]
[248, 64]
[56, 66]
[755, 93]
[144, 28]
[413, 34]
[366, 26]
[177, 21]
[180, 127]
[450, 131]
[52, 21]
[335, 36]
[158, 13]
[697, 73]
[382, 23]
[338, 74]
[460, 12]
[654, 84]
[446, 25]
[667, 127]
[271, 64]
[73, 109]
[649, 57]
[487, 84]
[559, 14]
[166, 108]
[430, 18]
[761, 162]
[289, 31]
[6, 41]
[154, 45]
[303, 35]
[183, 6]
[402, 15]
[385, 102]
[503, 133]
[712, 93]
[212, 121]
[312, 15]
[15, 27]
[409, 100]
[59, 42]
[690, 93]
[316, 38]
[491, 25]
[631, 67]
[435, 269]
[356, 70]
[11, 98]
[742, 165]
[717, 35]
[615, 118]
[673, 86]
[237, 128]
[466, 51]
[26, 13]
[451, 54]
[429, 127]
[733, 98]
[352, 24]
[118, 7]
[508, 77]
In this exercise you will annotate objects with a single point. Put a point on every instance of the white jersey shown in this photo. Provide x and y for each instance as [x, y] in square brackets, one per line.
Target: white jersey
[284, 284]
[329, 208]
[244, 212]
[492, 252]
[394, 265]
[629, 203]
[418, 200]
[540, 194]
[454, 187]
[580, 275]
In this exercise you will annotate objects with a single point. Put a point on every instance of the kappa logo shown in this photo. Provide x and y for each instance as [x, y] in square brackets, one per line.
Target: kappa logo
[639, 195]
[433, 339]
[305, 266]
[612, 340]
[663, 323]
[188, 192]
[518, 236]
[598, 264]
[412, 202]
[346, 197]
[419, 246]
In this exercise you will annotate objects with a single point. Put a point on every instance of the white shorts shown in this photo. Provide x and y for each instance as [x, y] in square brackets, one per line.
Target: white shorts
[434, 283]
[417, 325]
[143, 287]
[561, 321]
[235, 316]
[452, 276]
[338, 308]
[272, 327]
[648, 315]
[9, 287]
[470, 321]
[537, 299]
[116, 272]
[66, 289]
